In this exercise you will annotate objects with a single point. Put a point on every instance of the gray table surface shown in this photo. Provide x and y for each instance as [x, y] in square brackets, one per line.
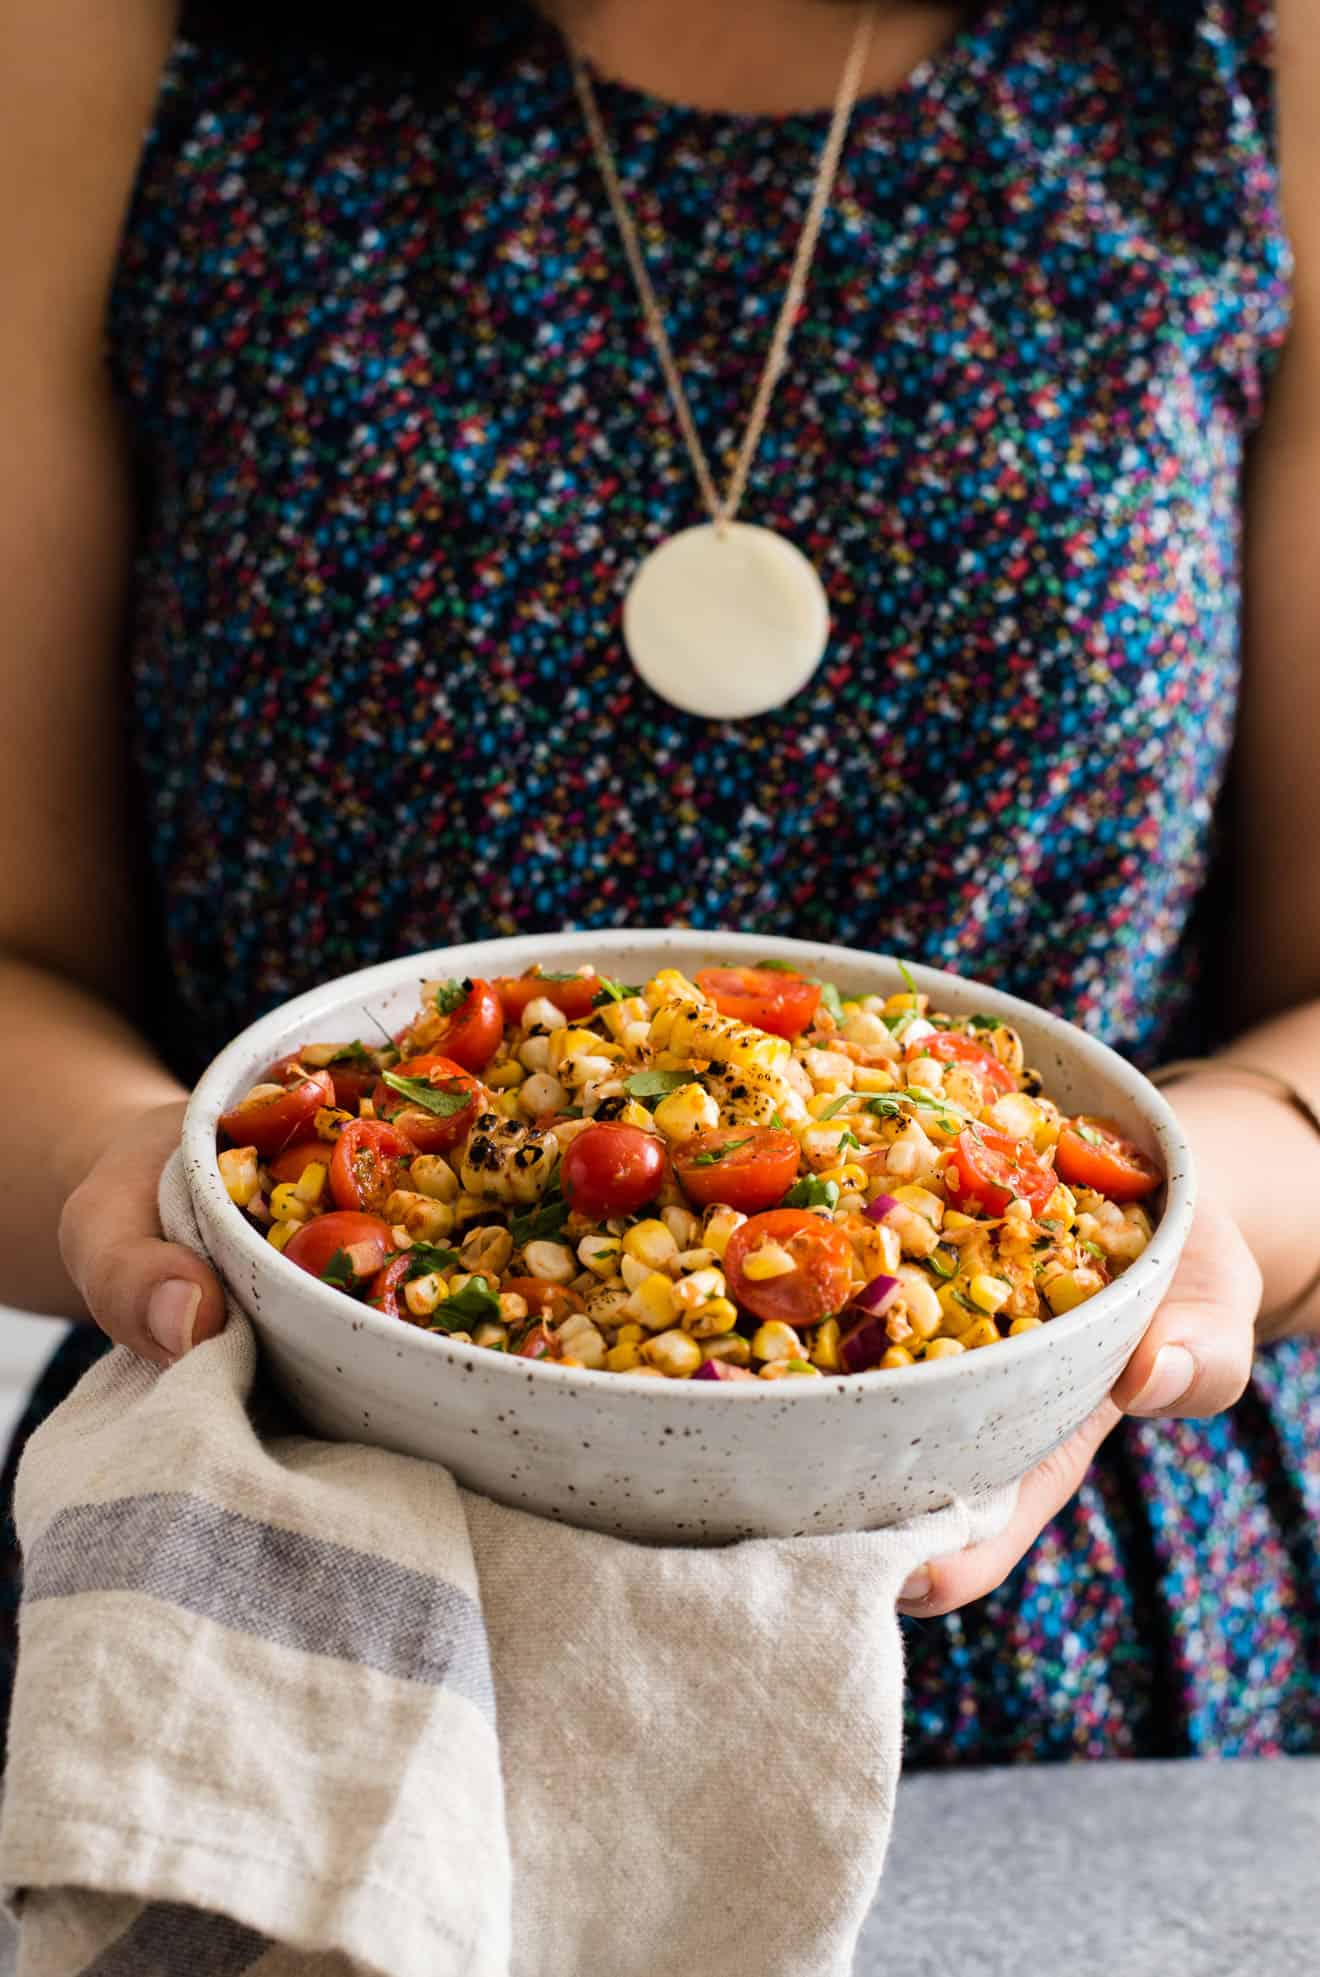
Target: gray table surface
[1115, 1870]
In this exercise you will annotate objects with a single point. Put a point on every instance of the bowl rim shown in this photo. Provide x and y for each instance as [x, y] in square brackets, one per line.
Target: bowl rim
[213, 1090]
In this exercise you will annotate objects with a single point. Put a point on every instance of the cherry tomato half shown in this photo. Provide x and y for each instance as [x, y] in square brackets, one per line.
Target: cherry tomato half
[612, 1169]
[364, 1241]
[818, 1288]
[949, 1048]
[387, 1289]
[782, 1004]
[431, 1132]
[294, 1161]
[366, 1166]
[746, 1167]
[272, 1123]
[1093, 1153]
[469, 1034]
[352, 1079]
[573, 998]
[988, 1170]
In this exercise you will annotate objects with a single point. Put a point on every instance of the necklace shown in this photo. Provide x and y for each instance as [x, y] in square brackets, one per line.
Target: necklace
[727, 619]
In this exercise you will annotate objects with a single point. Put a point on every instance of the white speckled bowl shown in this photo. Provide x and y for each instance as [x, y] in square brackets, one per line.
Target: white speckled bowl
[671, 1460]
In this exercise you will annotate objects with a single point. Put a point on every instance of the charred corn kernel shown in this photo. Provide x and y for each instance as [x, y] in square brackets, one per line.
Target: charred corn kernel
[651, 1243]
[790, 1369]
[487, 1251]
[674, 1354]
[599, 1254]
[624, 1358]
[279, 1233]
[1020, 1325]
[541, 1094]
[695, 1030]
[552, 1262]
[424, 1219]
[468, 1207]
[329, 1122]
[944, 1349]
[568, 1043]
[717, 1226]
[432, 1176]
[240, 1174]
[983, 1332]
[690, 1109]
[491, 1335]
[895, 1357]
[513, 1308]
[501, 1077]
[712, 1319]
[286, 1205]
[731, 1347]
[425, 1294]
[852, 1176]
[542, 1014]
[776, 1341]
[683, 1226]
[652, 1303]
[769, 1259]
[696, 1259]
[989, 1293]
[955, 1219]
[825, 1346]
[311, 1182]
[668, 984]
[923, 1201]
[1071, 1288]
[690, 1293]
[579, 1336]
[1061, 1207]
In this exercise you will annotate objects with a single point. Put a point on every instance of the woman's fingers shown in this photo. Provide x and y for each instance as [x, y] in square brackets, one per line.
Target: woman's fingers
[150, 1295]
[949, 1583]
[1195, 1359]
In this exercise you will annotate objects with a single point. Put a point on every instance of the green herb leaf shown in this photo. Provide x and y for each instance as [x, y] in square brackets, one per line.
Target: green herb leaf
[831, 999]
[424, 1257]
[812, 1192]
[984, 1023]
[944, 1263]
[966, 1303]
[908, 982]
[1094, 1249]
[715, 1154]
[340, 1272]
[443, 1101]
[451, 996]
[777, 967]
[658, 1084]
[354, 1053]
[835, 1107]
[849, 1140]
[776, 1123]
[612, 992]
[548, 975]
[541, 1224]
[475, 1304]
[1088, 1133]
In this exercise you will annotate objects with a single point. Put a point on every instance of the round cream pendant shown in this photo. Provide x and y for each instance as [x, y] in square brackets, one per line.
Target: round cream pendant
[728, 622]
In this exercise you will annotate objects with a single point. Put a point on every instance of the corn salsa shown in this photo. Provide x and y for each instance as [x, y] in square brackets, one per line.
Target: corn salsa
[745, 1176]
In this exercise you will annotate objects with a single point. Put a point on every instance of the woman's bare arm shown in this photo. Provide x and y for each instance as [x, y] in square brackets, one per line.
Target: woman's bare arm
[77, 83]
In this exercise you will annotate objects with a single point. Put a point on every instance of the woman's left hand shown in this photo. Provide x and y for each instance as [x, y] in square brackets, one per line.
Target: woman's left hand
[1194, 1361]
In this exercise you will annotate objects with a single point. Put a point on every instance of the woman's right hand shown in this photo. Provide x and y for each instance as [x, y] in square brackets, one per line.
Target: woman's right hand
[148, 1294]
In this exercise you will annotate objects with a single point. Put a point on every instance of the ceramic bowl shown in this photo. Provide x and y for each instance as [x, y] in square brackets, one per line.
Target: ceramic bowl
[669, 1460]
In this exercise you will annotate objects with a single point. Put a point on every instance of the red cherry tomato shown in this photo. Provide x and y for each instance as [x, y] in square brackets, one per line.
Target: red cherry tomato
[988, 1170]
[950, 1048]
[471, 1034]
[364, 1241]
[1093, 1153]
[573, 999]
[818, 1288]
[387, 1289]
[352, 1080]
[783, 1004]
[612, 1169]
[757, 1170]
[367, 1163]
[551, 1301]
[431, 1132]
[539, 1343]
[294, 1161]
[271, 1124]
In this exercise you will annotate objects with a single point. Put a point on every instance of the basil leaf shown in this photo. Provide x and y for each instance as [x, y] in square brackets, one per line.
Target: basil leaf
[831, 999]
[424, 1257]
[475, 1304]
[354, 1053]
[835, 1106]
[441, 1102]
[715, 1154]
[812, 1192]
[984, 1023]
[657, 1084]
[340, 1272]
[451, 996]
[540, 1224]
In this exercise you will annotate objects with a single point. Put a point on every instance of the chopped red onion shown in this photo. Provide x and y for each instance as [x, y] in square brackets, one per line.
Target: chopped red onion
[878, 1295]
[720, 1369]
[877, 1210]
[863, 1346]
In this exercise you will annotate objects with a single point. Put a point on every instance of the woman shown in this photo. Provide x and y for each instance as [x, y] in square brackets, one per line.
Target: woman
[359, 331]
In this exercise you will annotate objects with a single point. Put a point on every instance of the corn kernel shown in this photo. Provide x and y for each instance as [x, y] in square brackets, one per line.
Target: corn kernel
[491, 1335]
[542, 1014]
[923, 1203]
[983, 1332]
[599, 1254]
[652, 1303]
[776, 1341]
[433, 1177]
[1061, 1207]
[630, 1335]
[424, 1219]
[712, 1319]
[989, 1293]
[311, 1182]
[718, 1225]
[825, 1346]
[651, 1243]
[668, 984]
[731, 1347]
[955, 1219]
[1020, 1325]
[425, 1294]
[279, 1233]
[900, 1004]
[790, 1369]
[503, 1077]
[624, 1358]
[552, 1262]
[674, 1354]
[580, 1337]
[1071, 1288]
[943, 1349]
[895, 1357]
[690, 1109]
[239, 1172]
[513, 1308]
[690, 1293]
[925, 1312]
[286, 1205]
[873, 1078]
[540, 1095]
[769, 1259]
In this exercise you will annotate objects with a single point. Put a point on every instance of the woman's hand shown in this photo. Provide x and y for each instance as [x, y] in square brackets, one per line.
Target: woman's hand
[1194, 1360]
[150, 1295]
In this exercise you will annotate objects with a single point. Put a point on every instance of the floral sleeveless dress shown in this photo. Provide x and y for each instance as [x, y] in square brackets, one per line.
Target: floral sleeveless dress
[402, 443]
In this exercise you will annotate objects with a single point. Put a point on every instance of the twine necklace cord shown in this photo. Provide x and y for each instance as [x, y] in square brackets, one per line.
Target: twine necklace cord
[723, 511]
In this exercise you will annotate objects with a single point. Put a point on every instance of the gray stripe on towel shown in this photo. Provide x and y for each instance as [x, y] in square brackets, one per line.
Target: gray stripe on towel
[305, 1593]
[168, 1940]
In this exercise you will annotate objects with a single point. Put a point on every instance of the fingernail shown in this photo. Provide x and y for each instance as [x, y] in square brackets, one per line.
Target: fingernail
[915, 1587]
[172, 1313]
[1170, 1377]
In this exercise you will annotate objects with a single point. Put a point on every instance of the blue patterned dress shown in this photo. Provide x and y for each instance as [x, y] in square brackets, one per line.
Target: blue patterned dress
[402, 443]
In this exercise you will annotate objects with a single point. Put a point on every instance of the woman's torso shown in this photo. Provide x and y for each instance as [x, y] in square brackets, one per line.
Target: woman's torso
[404, 442]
